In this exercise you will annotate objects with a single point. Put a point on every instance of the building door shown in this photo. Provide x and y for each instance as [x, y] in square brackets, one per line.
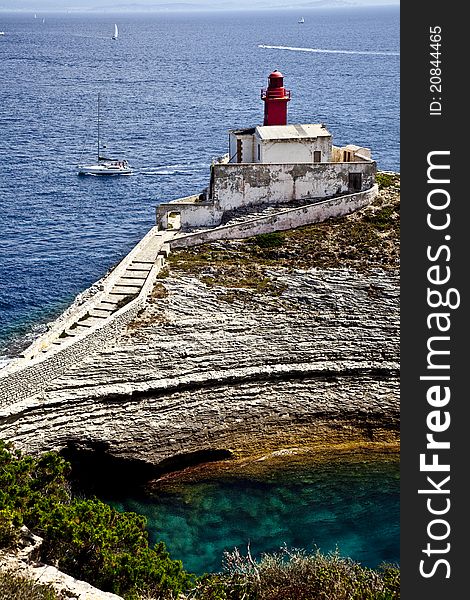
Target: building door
[355, 182]
[239, 150]
[316, 156]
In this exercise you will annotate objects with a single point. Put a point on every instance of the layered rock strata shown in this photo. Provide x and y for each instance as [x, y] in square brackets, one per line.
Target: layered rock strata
[195, 371]
[312, 359]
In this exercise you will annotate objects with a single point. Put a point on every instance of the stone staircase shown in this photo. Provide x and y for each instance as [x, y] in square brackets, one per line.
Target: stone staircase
[125, 289]
[132, 273]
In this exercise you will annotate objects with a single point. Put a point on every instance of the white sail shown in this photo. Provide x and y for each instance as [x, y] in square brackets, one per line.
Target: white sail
[115, 32]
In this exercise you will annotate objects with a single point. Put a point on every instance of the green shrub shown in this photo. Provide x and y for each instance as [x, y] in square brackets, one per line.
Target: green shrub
[267, 240]
[85, 538]
[385, 180]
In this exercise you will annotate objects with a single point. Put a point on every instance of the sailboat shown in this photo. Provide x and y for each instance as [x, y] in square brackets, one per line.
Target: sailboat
[103, 165]
[116, 33]
[301, 20]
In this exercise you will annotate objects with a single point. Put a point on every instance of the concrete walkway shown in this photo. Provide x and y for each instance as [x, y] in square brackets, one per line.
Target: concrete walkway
[125, 289]
[122, 285]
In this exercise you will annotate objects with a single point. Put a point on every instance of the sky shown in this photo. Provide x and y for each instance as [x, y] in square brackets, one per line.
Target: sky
[38, 5]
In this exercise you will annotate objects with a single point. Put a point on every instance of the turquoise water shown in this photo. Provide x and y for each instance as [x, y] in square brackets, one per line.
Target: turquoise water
[352, 507]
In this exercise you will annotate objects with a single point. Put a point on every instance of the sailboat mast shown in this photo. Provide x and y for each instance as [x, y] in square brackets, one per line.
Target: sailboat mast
[98, 140]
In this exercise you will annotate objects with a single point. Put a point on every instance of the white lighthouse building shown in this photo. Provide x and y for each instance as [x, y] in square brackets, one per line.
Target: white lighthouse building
[275, 164]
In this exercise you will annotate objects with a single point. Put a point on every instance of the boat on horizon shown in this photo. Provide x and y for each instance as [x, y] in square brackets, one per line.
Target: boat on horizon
[116, 32]
[301, 20]
[104, 165]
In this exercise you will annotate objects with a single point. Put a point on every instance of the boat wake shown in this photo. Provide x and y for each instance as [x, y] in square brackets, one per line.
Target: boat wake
[178, 169]
[326, 51]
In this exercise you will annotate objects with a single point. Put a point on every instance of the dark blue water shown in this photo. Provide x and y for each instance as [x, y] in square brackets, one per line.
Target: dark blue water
[172, 85]
[351, 506]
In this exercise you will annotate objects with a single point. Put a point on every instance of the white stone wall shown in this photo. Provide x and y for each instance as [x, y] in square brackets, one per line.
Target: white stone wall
[287, 219]
[247, 147]
[239, 185]
[197, 214]
[293, 151]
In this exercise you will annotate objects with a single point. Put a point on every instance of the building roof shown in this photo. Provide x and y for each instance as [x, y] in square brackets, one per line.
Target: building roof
[292, 132]
[244, 131]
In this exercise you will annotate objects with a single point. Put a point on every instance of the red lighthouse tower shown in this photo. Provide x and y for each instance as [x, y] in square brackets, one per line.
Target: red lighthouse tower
[275, 99]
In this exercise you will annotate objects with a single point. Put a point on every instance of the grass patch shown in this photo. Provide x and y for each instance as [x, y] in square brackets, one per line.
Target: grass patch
[267, 240]
[384, 218]
[385, 180]
[163, 273]
[297, 575]
[159, 291]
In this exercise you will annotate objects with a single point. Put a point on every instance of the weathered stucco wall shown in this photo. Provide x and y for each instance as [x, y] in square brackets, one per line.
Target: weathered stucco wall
[241, 185]
[287, 219]
[199, 214]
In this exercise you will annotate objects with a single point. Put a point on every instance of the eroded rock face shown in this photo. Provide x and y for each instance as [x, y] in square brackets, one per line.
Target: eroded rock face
[206, 368]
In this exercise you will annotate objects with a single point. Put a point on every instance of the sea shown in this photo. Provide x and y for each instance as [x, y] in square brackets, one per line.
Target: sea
[347, 505]
[171, 86]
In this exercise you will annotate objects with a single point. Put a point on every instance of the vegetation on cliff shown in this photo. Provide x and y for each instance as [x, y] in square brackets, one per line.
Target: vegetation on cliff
[296, 575]
[85, 538]
[15, 587]
[364, 240]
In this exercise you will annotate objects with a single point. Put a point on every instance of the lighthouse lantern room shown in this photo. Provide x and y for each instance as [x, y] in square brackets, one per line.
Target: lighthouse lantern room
[275, 98]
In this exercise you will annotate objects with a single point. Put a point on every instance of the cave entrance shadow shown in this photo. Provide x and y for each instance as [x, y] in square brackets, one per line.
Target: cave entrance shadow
[95, 471]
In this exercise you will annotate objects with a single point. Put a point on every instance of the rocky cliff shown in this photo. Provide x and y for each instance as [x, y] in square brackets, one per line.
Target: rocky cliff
[244, 347]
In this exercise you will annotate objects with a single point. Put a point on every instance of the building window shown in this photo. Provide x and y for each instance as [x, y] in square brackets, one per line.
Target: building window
[316, 156]
[259, 152]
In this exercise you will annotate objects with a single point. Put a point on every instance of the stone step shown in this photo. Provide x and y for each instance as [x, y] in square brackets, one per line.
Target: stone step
[148, 257]
[83, 324]
[138, 269]
[99, 315]
[129, 286]
[122, 292]
[91, 321]
[135, 278]
[118, 294]
[103, 310]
